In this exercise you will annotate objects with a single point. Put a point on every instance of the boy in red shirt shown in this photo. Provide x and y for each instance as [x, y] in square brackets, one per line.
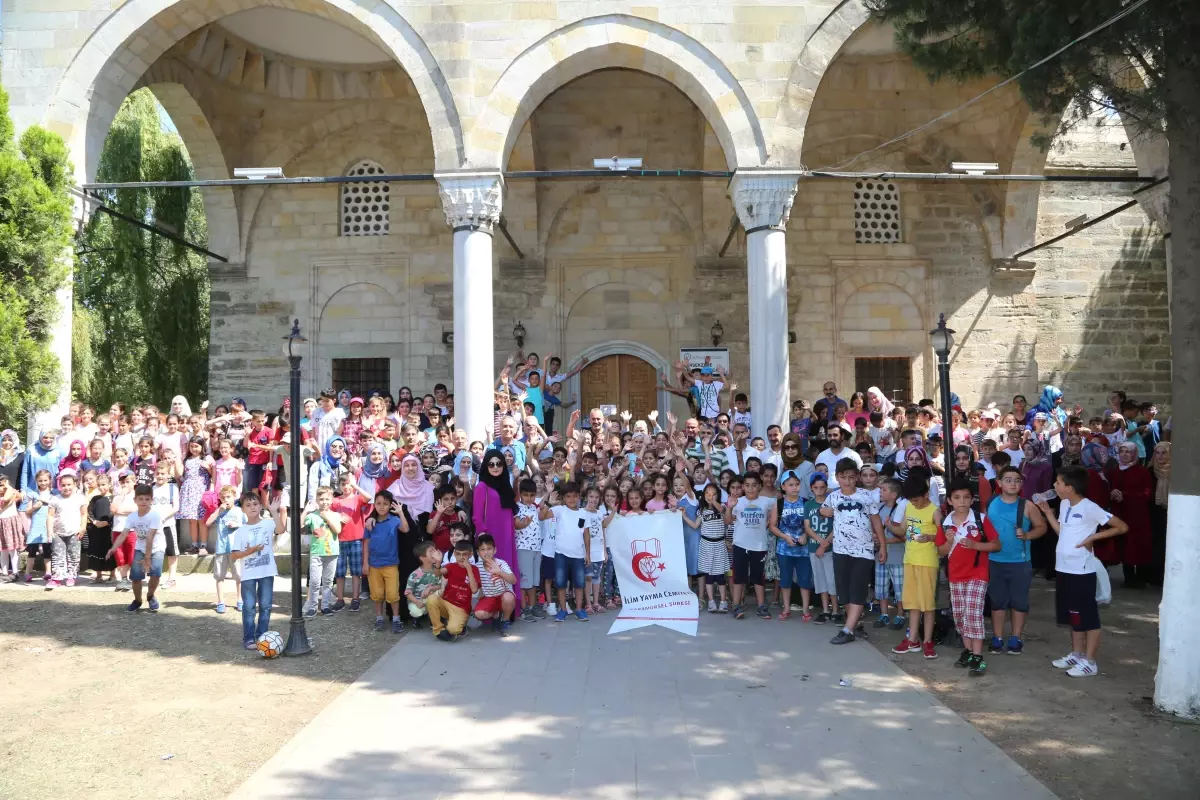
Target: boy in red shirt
[967, 537]
[353, 509]
[260, 444]
[460, 581]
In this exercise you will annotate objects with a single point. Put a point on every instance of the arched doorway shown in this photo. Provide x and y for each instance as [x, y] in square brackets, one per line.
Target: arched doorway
[622, 380]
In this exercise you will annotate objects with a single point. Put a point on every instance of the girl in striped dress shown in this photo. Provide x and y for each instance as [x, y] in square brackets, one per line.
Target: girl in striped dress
[715, 544]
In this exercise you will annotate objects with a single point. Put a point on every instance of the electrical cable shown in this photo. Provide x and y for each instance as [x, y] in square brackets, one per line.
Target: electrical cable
[1129, 9]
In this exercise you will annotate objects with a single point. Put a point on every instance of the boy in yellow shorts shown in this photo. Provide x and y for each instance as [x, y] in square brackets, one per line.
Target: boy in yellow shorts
[917, 521]
[381, 552]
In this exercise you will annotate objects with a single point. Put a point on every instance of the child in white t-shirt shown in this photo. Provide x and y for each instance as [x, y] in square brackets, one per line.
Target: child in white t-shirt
[150, 545]
[529, 551]
[1080, 524]
[166, 503]
[595, 567]
[65, 523]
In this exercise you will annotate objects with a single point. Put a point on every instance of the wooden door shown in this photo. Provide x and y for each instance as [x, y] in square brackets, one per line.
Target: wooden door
[893, 376]
[625, 381]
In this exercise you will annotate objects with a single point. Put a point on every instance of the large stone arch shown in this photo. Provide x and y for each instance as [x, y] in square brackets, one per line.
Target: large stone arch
[135, 35]
[616, 40]
[791, 119]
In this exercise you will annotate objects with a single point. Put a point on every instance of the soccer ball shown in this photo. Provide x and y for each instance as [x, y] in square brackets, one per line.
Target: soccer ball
[270, 644]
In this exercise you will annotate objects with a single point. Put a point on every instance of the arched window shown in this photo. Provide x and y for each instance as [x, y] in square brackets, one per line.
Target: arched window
[365, 205]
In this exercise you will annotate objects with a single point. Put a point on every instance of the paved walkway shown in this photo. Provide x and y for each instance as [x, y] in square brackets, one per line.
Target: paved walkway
[748, 709]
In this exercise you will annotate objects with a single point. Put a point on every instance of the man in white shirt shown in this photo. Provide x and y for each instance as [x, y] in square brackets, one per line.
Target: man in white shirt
[741, 450]
[773, 454]
[837, 450]
[328, 418]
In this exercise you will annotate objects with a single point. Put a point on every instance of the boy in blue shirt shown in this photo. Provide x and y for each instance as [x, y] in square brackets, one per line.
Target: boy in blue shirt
[790, 547]
[228, 518]
[1010, 571]
[381, 553]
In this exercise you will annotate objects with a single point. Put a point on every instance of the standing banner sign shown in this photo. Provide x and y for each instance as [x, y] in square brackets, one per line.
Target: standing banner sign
[648, 555]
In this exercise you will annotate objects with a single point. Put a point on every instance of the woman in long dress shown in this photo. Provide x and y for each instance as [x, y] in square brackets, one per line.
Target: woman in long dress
[493, 507]
[99, 531]
[1132, 490]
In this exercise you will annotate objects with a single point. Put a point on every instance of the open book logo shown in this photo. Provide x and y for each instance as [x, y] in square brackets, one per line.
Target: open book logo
[647, 560]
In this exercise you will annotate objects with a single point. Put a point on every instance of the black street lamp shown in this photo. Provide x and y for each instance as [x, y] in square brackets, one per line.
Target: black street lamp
[519, 334]
[298, 643]
[716, 332]
[943, 342]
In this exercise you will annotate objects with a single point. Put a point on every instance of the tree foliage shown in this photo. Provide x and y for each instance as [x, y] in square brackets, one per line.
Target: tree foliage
[35, 233]
[145, 296]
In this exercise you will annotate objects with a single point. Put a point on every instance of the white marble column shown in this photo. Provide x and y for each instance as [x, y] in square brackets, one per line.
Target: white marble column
[763, 202]
[472, 205]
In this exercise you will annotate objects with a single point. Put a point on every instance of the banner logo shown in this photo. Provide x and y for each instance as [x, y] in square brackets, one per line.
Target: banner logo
[651, 566]
[647, 561]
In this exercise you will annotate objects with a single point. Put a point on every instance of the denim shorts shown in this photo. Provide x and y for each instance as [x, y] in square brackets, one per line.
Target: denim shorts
[567, 568]
[594, 570]
[136, 570]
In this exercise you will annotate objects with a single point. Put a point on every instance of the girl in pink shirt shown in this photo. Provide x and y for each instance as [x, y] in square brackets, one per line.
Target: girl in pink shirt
[227, 471]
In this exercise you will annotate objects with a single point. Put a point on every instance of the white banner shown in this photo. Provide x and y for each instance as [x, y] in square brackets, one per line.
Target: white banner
[651, 565]
[700, 357]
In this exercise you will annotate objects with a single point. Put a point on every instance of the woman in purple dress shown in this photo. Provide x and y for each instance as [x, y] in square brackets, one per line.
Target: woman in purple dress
[493, 508]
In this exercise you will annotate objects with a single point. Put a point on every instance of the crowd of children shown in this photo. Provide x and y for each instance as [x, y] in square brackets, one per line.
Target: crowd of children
[848, 511]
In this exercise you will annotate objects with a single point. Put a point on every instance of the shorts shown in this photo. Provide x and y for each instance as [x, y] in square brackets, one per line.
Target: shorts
[889, 573]
[137, 571]
[529, 562]
[748, 566]
[223, 564]
[567, 568]
[591, 572]
[384, 583]
[853, 576]
[547, 570]
[124, 554]
[350, 558]
[171, 532]
[966, 601]
[38, 550]
[1075, 601]
[798, 566]
[491, 605]
[920, 588]
[1009, 586]
[252, 477]
[824, 581]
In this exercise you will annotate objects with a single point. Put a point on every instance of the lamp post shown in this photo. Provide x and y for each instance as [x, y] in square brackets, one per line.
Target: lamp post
[943, 342]
[716, 332]
[519, 334]
[297, 643]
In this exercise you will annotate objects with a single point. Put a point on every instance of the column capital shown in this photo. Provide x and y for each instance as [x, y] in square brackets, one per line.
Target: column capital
[763, 198]
[471, 199]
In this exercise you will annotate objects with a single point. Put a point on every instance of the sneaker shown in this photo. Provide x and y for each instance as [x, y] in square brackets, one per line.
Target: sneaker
[526, 614]
[445, 636]
[996, 645]
[310, 611]
[70, 581]
[51, 584]
[581, 615]
[416, 623]
[739, 612]
[897, 623]
[882, 621]
[249, 645]
[839, 618]
[906, 646]
[822, 618]
[1068, 661]
[843, 637]
[220, 608]
[977, 666]
[763, 612]
[505, 627]
[239, 605]
[134, 606]
[797, 607]
[153, 604]
[561, 615]
[327, 611]
[928, 651]
[338, 605]
[472, 623]
[355, 605]
[1015, 645]
[723, 608]
[538, 612]
[552, 610]
[379, 623]
[964, 659]
[1084, 669]
[712, 606]
[397, 625]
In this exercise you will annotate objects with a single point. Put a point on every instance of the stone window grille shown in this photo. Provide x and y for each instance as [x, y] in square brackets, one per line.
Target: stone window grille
[876, 212]
[366, 204]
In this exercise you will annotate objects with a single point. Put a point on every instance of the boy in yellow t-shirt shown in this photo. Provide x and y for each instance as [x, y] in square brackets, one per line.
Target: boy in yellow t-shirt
[917, 521]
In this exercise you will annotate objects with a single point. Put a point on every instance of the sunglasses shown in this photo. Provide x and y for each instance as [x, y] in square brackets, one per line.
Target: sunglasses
[495, 464]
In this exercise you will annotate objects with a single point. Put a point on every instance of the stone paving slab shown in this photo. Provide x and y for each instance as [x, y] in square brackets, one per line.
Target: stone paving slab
[748, 709]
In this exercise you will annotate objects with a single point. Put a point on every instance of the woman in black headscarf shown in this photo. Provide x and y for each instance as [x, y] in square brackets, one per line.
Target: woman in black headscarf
[495, 504]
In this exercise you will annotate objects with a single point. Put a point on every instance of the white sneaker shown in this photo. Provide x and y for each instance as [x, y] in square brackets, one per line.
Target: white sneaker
[712, 606]
[1084, 669]
[724, 607]
[1068, 661]
[551, 609]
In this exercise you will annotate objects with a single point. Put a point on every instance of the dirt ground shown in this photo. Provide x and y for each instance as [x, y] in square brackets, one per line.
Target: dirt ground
[102, 703]
[1086, 737]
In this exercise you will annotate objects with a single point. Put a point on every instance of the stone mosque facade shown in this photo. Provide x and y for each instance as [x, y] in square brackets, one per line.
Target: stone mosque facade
[410, 283]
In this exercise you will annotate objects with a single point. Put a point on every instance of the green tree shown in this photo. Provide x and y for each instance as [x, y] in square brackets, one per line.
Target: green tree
[35, 232]
[145, 297]
[1146, 66]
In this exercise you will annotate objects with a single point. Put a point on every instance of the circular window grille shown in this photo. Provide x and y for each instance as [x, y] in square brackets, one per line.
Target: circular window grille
[876, 212]
[365, 205]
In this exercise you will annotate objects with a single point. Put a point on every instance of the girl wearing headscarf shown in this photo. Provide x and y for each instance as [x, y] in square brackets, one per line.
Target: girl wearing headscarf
[876, 401]
[413, 501]
[41, 455]
[12, 457]
[330, 470]
[493, 505]
[374, 471]
[1160, 475]
[73, 458]
[179, 405]
[1132, 490]
[1050, 404]
[343, 400]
